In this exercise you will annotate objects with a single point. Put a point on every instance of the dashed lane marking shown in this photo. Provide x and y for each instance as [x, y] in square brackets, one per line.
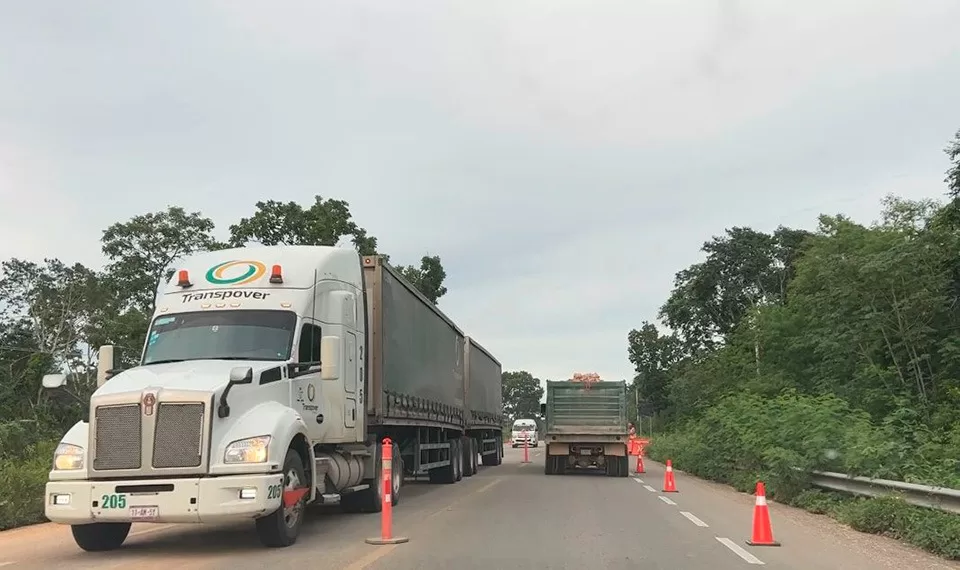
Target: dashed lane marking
[666, 500]
[649, 488]
[692, 518]
[749, 558]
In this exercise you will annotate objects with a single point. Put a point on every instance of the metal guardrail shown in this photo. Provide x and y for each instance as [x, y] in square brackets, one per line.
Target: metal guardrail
[940, 498]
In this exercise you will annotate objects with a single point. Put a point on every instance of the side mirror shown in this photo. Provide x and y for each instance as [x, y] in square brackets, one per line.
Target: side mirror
[54, 381]
[543, 410]
[330, 358]
[238, 375]
[241, 375]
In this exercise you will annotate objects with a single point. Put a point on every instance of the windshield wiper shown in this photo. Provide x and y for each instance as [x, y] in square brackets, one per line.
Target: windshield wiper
[166, 361]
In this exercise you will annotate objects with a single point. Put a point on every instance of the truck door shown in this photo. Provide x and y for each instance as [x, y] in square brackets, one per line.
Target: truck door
[350, 381]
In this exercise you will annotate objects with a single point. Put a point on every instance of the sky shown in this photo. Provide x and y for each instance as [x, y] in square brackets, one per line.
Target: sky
[565, 159]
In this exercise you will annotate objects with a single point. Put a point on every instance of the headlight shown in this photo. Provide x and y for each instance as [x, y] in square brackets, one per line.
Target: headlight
[250, 450]
[68, 457]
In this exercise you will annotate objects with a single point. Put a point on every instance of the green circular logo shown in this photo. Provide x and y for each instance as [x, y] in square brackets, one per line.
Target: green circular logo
[255, 270]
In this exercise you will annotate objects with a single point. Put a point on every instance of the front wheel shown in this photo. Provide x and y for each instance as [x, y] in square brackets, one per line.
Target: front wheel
[282, 526]
[99, 537]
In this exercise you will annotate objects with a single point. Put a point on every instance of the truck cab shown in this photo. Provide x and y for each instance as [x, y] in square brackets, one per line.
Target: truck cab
[247, 403]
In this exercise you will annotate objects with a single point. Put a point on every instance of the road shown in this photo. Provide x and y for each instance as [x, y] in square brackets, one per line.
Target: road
[506, 517]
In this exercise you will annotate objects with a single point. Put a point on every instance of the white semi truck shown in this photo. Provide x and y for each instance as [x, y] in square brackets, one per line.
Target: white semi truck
[268, 378]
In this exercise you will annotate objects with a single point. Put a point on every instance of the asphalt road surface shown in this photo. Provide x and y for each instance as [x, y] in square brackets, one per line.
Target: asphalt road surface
[507, 517]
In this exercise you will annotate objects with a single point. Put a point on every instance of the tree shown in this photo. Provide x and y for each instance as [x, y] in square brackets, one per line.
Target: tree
[653, 355]
[327, 222]
[323, 223]
[428, 278]
[522, 393]
[142, 249]
[744, 271]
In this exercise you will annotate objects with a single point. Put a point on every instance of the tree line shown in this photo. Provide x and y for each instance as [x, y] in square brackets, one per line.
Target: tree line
[54, 314]
[836, 349]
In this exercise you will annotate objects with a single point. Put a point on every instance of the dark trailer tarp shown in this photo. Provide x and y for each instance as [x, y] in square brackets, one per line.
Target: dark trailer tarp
[483, 387]
[416, 374]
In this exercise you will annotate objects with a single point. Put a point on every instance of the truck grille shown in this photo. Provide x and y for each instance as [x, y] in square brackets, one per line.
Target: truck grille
[127, 438]
[179, 438]
[119, 437]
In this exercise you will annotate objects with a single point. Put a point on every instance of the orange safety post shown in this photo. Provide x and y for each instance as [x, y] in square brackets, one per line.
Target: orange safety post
[386, 513]
[526, 446]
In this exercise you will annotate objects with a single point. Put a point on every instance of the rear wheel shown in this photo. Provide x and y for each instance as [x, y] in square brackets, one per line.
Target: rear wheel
[282, 526]
[99, 537]
[370, 500]
[448, 473]
[456, 455]
[625, 466]
[469, 447]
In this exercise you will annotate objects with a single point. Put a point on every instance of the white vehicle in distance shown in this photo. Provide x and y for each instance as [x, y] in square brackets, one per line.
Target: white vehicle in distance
[524, 430]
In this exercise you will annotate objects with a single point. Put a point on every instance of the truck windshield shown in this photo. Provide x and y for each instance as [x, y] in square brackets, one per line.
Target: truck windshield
[216, 335]
[524, 427]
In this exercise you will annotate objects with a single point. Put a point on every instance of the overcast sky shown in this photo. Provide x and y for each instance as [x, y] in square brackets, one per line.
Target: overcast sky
[564, 158]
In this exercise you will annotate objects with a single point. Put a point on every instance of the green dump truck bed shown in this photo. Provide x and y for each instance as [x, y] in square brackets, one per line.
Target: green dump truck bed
[577, 408]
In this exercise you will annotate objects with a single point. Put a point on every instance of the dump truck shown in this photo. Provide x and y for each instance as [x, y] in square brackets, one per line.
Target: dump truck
[269, 379]
[586, 426]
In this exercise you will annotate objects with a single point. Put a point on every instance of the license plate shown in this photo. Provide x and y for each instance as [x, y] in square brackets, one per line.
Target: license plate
[584, 452]
[144, 513]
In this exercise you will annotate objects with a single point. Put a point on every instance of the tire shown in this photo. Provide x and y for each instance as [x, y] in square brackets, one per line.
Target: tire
[469, 447]
[446, 475]
[474, 455]
[548, 466]
[282, 527]
[100, 537]
[490, 459]
[625, 466]
[456, 454]
[396, 474]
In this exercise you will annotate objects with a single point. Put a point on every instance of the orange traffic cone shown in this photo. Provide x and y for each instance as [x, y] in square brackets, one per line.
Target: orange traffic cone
[669, 485]
[640, 468]
[762, 530]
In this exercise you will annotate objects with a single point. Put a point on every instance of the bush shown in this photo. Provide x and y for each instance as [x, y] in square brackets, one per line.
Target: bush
[22, 480]
[745, 439]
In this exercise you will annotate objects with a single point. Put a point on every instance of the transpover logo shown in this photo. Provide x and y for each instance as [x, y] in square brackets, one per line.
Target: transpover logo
[219, 274]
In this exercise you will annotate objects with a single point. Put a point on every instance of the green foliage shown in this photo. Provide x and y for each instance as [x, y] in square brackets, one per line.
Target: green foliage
[54, 315]
[522, 393]
[833, 350]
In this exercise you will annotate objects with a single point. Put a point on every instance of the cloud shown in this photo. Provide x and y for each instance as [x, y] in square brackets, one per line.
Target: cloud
[565, 160]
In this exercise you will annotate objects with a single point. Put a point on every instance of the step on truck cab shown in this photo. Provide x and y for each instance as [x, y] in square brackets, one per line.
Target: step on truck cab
[586, 426]
[268, 380]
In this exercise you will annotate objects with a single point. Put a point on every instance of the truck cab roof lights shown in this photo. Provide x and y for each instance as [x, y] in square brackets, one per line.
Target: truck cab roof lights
[276, 275]
[183, 278]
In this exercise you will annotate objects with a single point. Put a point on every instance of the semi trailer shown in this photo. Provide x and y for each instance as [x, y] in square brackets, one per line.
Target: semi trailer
[586, 426]
[268, 379]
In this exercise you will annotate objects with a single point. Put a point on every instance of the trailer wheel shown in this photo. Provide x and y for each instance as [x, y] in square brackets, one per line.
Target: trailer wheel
[446, 474]
[456, 455]
[491, 459]
[625, 466]
[282, 526]
[396, 474]
[468, 444]
[99, 537]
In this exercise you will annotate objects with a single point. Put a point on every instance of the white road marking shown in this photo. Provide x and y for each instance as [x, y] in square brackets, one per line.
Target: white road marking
[7, 563]
[666, 500]
[638, 480]
[649, 488]
[749, 558]
[692, 518]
